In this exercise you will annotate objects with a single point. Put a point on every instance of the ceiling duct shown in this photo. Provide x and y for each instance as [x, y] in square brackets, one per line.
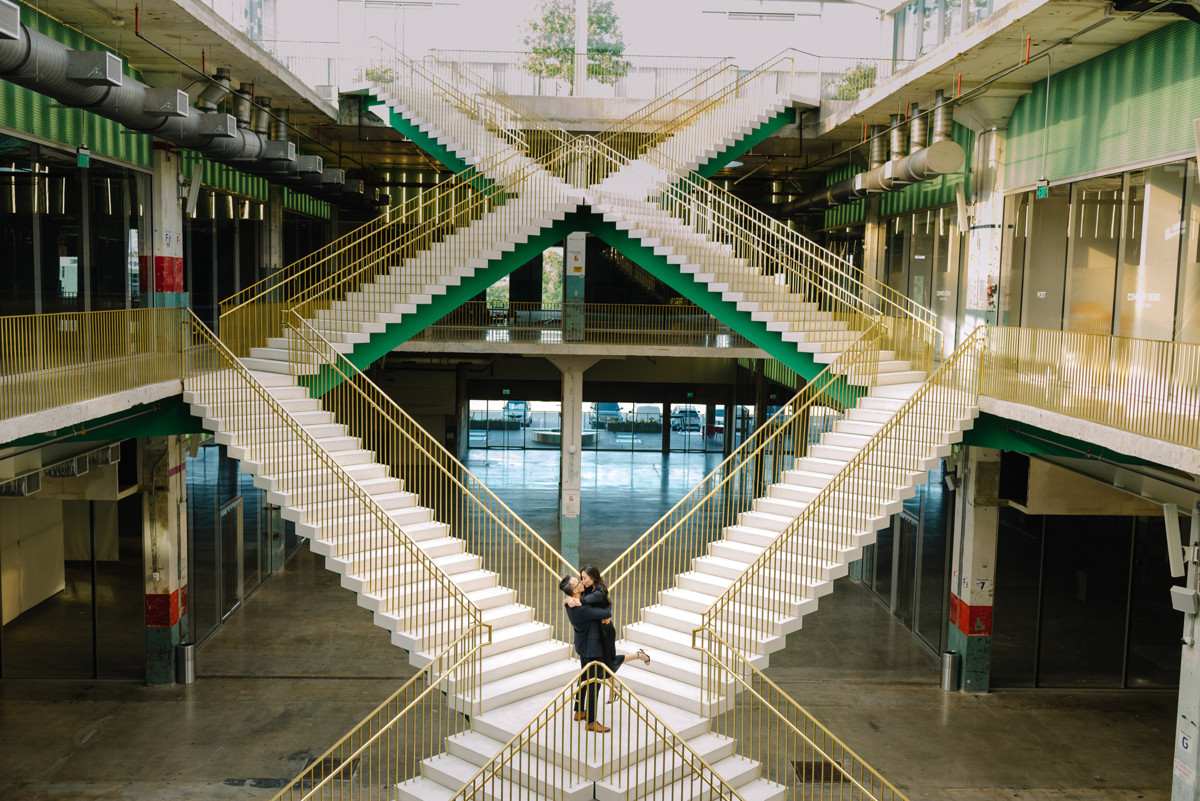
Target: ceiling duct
[22, 485]
[917, 130]
[878, 146]
[109, 454]
[75, 466]
[212, 95]
[943, 118]
[85, 80]
[941, 157]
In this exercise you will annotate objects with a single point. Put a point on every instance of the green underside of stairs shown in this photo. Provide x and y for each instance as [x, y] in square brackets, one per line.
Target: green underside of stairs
[1002, 434]
[383, 343]
[714, 165]
[724, 310]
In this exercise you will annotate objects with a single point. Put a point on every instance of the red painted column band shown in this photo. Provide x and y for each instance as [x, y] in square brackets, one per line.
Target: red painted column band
[970, 620]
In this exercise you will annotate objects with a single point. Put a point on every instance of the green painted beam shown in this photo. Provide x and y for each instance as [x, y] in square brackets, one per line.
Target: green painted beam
[991, 431]
[715, 165]
[162, 418]
[724, 310]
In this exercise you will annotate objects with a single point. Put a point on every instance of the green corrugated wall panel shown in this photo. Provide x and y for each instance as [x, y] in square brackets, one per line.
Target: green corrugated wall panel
[847, 213]
[226, 178]
[27, 111]
[306, 204]
[937, 191]
[1133, 104]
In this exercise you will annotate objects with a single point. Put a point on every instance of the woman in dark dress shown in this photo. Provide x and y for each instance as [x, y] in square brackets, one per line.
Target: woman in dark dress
[595, 593]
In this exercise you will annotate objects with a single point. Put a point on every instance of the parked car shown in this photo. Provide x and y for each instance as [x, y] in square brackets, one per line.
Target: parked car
[520, 411]
[604, 413]
[647, 414]
[686, 419]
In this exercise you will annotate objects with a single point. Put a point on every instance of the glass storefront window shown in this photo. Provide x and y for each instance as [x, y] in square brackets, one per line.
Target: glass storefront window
[1110, 255]
[72, 237]
[1092, 242]
[1012, 260]
[923, 262]
[1187, 296]
[1046, 257]
[1152, 248]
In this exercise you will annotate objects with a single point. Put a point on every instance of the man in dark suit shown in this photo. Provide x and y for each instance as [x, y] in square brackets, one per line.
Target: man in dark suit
[589, 644]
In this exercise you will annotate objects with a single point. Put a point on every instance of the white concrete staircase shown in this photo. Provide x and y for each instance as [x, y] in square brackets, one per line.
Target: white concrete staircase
[707, 135]
[522, 659]
[713, 266]
[423, 279]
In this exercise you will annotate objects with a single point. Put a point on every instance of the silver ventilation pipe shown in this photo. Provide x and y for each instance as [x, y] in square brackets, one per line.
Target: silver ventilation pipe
[261, 116]
[878, 146]
[943, 118]
[241, 104]
[917, 133]
[899, 139]
[93, 80]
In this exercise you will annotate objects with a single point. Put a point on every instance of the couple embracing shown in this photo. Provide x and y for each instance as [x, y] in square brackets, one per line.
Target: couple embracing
[590, 611]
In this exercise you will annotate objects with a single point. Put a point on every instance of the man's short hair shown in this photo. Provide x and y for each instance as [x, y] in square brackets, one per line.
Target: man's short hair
[565, 585]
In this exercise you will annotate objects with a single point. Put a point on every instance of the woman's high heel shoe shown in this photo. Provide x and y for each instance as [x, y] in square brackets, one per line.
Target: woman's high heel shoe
[645, 656]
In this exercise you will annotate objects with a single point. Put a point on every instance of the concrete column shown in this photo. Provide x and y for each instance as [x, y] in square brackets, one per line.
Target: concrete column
[571, 433]
[574, 275]
[988, 118]
[271, 259]
[579, 85]
[986, 233]
[1184, 785]
[162, 270]
[874, 242]
[977, 516]
[164, 533]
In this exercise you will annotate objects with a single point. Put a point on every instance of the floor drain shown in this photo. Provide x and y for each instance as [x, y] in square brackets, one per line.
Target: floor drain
[820, 771]
[331, 767]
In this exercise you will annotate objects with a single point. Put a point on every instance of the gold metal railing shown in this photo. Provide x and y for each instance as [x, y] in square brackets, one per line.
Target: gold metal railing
[452, 233]
[792, 746]
[667, 549]
[1146, 387]
[599, 323]
[522, 561]
[556, 757]
[465, 218]
[49, 360]
[387, 747]
[457, 102]
[723, 99]
[319, 492]
[854, 503]
[551, 73]
[633, 134]
[779, 268]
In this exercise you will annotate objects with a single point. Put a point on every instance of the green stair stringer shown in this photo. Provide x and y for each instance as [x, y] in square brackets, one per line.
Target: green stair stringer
[726, 311]
[430, 146]
[366, 353]
[788, 116]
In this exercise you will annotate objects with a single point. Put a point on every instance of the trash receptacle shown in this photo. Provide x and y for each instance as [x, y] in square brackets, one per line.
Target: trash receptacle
[950, 671]
[185, 663]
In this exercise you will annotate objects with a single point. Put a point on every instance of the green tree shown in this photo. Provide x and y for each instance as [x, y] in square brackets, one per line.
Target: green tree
[552, 276]
[851, 82]
[551, 42]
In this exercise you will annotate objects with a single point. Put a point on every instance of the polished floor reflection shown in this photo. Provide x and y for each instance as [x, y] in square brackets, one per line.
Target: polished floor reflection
[300, 663]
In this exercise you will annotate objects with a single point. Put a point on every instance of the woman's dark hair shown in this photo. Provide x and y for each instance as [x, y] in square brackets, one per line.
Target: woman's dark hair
[593, 573]
[565, 584]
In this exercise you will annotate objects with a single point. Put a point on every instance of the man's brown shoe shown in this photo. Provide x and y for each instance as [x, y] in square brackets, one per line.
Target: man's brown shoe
[580, 716]
[598, 727]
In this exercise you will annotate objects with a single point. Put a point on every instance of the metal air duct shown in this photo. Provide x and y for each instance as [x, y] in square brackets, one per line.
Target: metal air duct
[83, 79]
[917, 130]
[943, 118]
[878, 146]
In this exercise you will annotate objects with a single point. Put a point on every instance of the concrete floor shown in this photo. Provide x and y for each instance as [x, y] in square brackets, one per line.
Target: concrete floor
[300, 664]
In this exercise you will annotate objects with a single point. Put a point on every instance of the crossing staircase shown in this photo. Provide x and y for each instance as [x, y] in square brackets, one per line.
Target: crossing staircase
[284, 392]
